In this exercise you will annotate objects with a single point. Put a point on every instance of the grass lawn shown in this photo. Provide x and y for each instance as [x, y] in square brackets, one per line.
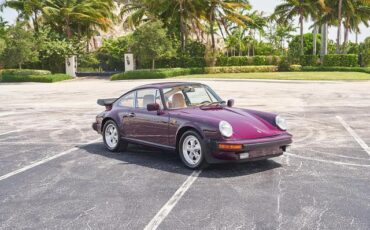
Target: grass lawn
[287, 76]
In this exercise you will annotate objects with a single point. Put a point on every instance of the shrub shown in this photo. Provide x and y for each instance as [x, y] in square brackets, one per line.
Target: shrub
[284, 64]
[245, 60]
[295, 68]
[167, 73]
[46, 78]
[24, 72]
[240, 69]
[310, 60]
[336, 68]
[156, 74]
[349, 60]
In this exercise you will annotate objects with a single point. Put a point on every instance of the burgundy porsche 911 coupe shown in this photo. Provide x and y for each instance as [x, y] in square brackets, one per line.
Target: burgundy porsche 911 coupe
[193, 120]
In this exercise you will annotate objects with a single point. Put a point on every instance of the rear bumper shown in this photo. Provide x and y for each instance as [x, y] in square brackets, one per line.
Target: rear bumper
[96, 127]
[252, 149]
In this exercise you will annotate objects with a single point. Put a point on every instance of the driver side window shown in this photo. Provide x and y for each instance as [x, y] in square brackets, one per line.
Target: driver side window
[148, 96]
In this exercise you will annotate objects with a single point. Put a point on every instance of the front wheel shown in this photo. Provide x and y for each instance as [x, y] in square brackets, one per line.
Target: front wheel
[192, 150]
[112, 138]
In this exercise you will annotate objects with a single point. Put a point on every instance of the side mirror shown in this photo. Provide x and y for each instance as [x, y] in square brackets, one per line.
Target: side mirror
[230, 103]
[152, 107]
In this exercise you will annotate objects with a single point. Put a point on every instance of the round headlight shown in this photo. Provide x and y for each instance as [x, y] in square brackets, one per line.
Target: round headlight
[225, 128]
[281, 123]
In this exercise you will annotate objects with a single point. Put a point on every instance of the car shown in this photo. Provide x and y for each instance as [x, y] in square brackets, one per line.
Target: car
[192, 120]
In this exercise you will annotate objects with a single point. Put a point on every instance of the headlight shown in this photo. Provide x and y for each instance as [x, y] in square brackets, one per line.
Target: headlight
[281, 123]
[225, 129]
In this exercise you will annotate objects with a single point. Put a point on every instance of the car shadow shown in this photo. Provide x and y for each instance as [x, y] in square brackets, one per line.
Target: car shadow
[170, 162]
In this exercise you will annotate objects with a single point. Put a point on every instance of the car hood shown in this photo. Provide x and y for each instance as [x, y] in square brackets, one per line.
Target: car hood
[245, 124]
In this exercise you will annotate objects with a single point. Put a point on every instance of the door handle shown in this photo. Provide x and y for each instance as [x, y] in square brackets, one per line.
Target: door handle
[129, 115]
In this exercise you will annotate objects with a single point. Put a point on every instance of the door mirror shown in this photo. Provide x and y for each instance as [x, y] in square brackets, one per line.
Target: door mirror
[152, 107]
[230, 103]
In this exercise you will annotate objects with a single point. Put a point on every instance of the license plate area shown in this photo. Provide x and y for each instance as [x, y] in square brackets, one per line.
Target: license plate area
[274, 150]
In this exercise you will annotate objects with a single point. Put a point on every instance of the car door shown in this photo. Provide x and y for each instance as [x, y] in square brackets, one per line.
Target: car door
[150, 126]
[125, 107]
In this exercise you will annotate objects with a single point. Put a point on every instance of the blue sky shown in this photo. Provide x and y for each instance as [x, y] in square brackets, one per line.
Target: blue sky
[261, 5]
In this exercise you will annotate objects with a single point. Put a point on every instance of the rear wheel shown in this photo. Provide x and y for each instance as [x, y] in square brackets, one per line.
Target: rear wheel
[192, 150]
[112, 138]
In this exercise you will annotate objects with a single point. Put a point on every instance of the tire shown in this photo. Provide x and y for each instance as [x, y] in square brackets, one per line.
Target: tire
[112, 137]
[192, 150]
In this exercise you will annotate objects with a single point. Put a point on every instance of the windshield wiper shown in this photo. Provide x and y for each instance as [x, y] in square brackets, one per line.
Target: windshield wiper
[213, 103]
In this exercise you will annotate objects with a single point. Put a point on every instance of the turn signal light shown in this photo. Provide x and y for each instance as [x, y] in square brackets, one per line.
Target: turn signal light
[234, 147]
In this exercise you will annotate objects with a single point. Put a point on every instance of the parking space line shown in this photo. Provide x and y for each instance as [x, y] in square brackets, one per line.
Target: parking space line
[13, 131]
[354, 135]
[325, 161]
[171, 203]
[15, 172]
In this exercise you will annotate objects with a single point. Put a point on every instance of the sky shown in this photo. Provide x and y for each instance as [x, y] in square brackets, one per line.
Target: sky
[266, 6]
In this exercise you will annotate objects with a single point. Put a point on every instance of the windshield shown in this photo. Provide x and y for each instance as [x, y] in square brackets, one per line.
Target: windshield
[189, 96]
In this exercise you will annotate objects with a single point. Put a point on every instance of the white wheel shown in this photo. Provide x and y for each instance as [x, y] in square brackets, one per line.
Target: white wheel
[111, 136]
[192, 150]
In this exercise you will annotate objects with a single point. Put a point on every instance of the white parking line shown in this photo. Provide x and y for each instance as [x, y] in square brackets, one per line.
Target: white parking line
[3, 177]
[14, 131]
[326, 161]
[354, 135]
[166, 209]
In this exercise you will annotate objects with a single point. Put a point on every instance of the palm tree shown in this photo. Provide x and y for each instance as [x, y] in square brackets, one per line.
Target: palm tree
[76, 18]
[315, 15]
[287, 11]
[27, 10]
[225, 10]
[354, 13]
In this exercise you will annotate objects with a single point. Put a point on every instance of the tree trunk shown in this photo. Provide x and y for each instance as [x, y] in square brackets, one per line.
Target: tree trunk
[339, 32]
[301, 32]
[20, 65]
[153, 64]
[212, 18]
[314, 40]
[356, 36]
[182, 28]
[346, 32]
[324, 41]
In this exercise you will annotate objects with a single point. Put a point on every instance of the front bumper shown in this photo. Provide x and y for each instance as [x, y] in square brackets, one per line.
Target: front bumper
[252, 149]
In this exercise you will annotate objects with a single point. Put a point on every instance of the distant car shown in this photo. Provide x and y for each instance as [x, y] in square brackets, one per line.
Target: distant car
[193, 120]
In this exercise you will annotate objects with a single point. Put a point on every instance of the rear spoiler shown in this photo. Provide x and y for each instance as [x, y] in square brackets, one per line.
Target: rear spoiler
[107, 102]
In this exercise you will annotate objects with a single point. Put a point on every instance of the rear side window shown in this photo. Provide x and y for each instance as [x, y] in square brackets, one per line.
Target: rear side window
[148, 96]
[127, 100]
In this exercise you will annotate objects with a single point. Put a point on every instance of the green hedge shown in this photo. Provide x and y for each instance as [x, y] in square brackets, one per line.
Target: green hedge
[347, 60]
[240, 69]
[175, 62]
[295, 68]
[336, 69]
[248, 61]
[310, 60]
[24, 72]
[167, 73]
[47, 78]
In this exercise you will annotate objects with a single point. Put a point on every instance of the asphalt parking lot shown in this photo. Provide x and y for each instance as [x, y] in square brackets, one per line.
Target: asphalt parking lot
[56, 174]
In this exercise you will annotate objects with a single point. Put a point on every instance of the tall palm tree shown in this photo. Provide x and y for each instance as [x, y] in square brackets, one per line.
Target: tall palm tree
[27, 10]
[320, 8]
[292, 8]
[225, 10]
[354, 13]
[77, 18]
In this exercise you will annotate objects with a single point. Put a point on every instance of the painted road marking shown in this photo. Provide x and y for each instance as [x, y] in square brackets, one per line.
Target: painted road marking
[354, 135]
[171, 203]
[325, 161]
[43, 161]
[14, 131]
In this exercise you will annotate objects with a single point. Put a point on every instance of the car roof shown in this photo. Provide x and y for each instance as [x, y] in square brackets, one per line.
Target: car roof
[162, 85]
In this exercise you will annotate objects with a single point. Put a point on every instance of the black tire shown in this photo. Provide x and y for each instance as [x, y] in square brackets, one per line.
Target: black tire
[202, 162]
[120, 145]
